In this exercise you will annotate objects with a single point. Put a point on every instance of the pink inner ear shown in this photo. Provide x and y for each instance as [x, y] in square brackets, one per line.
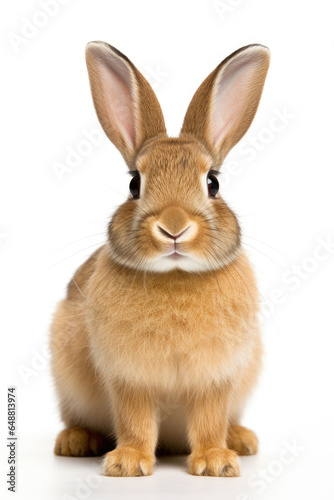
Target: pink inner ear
[231, 95]
[118, 88]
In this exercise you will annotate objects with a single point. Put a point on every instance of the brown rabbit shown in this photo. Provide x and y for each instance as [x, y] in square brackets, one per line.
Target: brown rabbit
[157, 343]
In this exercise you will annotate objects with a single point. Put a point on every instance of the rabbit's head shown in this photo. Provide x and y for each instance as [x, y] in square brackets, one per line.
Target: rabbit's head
[175, 217]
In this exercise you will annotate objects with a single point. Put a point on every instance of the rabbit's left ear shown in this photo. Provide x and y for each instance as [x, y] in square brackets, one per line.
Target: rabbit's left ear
[125, 103]
[224, 106]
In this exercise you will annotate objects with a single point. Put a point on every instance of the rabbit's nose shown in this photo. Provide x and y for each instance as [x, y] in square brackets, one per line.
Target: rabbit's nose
[172, 236]
[173, 221]
[174, 224]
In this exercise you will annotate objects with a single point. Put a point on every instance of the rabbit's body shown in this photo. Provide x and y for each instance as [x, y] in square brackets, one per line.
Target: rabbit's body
[157, 342]
[172, 334]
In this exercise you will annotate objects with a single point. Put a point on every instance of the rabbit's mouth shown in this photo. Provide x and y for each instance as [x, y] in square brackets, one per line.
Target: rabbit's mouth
[175, 255]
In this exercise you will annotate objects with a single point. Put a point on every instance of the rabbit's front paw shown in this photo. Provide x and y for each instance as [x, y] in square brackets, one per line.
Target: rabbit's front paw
[127, 461]
[214, 462]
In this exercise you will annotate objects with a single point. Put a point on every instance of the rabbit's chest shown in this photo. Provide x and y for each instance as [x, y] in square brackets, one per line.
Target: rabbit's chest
[174, 343]
[170, 331]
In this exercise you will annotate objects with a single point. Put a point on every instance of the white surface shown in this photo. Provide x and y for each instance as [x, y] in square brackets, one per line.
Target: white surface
[281, 188]
[274, 474]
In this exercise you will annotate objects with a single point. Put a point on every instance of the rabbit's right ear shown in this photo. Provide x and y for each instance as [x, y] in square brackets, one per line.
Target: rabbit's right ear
[125, 103]
[224, 106]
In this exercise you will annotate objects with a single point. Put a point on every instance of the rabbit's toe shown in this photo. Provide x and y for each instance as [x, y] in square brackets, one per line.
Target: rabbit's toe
[214, 462]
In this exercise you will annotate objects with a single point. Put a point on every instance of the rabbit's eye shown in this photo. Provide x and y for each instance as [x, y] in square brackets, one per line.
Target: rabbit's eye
[213, 185]
[135, 186]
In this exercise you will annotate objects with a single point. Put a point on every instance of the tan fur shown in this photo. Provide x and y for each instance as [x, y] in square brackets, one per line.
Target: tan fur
[242, 440]
[79, 442]
[159, 359]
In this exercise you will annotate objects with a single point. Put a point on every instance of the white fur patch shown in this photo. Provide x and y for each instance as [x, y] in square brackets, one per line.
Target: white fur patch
[163, 264]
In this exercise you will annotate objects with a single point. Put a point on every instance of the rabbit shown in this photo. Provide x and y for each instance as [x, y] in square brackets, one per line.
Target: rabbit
[157, 345]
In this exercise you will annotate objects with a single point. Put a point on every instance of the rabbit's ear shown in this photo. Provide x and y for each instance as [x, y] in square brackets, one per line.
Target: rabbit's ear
[224, 106]
[125, 103]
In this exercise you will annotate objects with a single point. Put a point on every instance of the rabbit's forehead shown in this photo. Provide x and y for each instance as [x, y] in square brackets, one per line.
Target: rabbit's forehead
[174, 157]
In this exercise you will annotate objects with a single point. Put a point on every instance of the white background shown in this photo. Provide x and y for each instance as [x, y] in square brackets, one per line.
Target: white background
[279, 181]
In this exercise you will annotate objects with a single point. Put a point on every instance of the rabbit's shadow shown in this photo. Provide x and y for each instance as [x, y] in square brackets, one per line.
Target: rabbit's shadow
[172, 461]
[167, 461]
